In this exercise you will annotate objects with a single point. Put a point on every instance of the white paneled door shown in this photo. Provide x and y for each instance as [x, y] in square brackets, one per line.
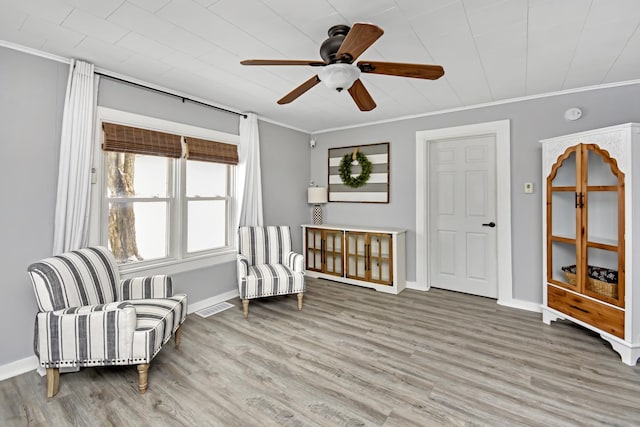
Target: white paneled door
[462, 212]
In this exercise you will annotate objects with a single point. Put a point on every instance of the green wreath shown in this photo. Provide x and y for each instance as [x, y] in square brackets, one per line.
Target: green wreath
[345, 169]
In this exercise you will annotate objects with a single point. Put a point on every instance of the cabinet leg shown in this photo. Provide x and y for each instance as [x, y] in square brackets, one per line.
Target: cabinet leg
[548, 317]
[629, 355]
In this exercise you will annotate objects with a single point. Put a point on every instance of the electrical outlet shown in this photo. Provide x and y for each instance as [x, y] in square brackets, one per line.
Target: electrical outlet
[528, 187]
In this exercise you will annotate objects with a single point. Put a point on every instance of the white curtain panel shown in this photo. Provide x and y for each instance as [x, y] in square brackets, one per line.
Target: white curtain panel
[249, 180]
[76, 146]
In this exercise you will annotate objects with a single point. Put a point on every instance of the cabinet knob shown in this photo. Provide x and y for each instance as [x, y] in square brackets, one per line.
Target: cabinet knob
[490, 224]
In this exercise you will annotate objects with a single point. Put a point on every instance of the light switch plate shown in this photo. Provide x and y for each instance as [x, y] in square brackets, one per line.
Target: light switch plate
[528, 187]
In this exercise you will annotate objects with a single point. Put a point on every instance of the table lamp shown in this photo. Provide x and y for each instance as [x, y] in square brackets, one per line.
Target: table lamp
[317, 196]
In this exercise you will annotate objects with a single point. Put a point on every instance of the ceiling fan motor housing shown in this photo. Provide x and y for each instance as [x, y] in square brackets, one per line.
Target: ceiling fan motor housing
[330, 46]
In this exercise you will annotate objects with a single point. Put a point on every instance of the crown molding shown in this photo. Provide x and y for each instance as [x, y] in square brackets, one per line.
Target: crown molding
[35, 52]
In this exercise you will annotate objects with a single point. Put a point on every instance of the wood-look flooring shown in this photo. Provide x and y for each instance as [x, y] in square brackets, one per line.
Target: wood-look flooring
[352, 357]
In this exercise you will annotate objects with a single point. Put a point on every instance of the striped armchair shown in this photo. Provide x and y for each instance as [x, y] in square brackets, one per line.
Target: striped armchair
[89, 317]
[267, 266]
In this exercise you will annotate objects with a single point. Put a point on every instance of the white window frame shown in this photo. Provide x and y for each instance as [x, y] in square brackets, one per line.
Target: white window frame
[178, 260]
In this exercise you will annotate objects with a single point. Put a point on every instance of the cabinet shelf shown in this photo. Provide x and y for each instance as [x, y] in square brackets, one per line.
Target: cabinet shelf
[571, 188]
[604, 246]
[564, 239]
[602, 188]
[373, 255]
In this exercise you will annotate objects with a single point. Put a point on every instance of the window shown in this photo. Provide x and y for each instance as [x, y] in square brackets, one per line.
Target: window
[156, 207]
[138, 206]
[206, 197]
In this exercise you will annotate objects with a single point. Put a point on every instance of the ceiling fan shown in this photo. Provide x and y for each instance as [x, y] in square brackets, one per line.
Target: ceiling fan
[338, 52]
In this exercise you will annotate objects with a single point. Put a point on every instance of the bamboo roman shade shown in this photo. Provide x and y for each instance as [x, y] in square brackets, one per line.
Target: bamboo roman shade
[127, 139]
[211, 151]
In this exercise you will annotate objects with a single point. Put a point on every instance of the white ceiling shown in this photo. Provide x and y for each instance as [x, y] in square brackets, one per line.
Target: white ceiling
[491, 50]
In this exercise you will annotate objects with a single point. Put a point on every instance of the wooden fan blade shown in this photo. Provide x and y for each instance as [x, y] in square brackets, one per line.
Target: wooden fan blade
[358, 39]
[291, 96]
[282, 62]
[418, 71]
[361, 96]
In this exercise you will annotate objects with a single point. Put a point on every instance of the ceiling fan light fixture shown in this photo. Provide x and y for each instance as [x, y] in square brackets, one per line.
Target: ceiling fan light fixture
[339, 76]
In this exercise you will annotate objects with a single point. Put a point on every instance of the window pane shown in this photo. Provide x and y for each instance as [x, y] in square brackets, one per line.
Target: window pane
[206, 224]
[136, 175]
[138, 231]
[206, 179]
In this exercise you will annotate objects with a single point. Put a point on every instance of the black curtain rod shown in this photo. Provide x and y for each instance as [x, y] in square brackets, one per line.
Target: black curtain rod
[171, 94]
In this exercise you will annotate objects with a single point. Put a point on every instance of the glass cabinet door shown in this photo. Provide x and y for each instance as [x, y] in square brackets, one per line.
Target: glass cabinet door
[314, 249]
[562, 220]
[604, 230]
[356, 255]
[333, 254]
[380, 258]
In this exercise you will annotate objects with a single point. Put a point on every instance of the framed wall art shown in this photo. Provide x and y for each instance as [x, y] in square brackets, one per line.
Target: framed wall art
[359, 173]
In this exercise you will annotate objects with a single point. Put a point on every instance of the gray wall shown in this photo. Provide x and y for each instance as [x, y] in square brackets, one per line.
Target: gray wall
[284, 158]
[31, 106]
[530, 120]
[127, 97]
[32, 93]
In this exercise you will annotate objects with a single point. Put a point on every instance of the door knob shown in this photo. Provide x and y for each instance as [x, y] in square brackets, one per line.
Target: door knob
[491, 224]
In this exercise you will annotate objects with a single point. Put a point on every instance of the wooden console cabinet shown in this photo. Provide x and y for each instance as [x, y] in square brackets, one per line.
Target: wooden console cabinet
[589, 238]
[364, 256]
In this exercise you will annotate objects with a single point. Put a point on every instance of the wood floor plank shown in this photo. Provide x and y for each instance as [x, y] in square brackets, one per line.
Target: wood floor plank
[352, 357]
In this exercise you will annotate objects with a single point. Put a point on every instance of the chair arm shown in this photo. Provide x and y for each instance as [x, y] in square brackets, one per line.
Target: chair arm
[242, 264]
[295, 262]
[85, 336]
[158, 286]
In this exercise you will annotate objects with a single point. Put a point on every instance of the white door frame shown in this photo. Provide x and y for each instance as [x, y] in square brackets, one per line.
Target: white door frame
[501, 130]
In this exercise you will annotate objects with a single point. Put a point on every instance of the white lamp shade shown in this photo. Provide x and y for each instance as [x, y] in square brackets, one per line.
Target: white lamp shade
[316, 195]
[339, 76]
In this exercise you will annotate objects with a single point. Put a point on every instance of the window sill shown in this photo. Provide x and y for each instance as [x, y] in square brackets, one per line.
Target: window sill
[177, 266]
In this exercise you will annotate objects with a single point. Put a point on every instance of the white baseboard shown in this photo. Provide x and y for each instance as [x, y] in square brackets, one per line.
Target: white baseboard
[415, 286]
[513, 303]
[199, 305]
[18, 367]
[522, 305]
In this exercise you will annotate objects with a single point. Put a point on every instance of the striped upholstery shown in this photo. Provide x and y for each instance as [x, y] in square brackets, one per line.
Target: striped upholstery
[86, 336]
[157, 319]
[146, 287]
[264, 245]
[266, 264]
[89, 317]
[84, 277]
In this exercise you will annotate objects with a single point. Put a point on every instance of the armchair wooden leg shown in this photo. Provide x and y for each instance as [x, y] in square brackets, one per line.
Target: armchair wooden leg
[53, 381]
[300, 295]
[143, 371]
[177, 335]
[245, 308]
